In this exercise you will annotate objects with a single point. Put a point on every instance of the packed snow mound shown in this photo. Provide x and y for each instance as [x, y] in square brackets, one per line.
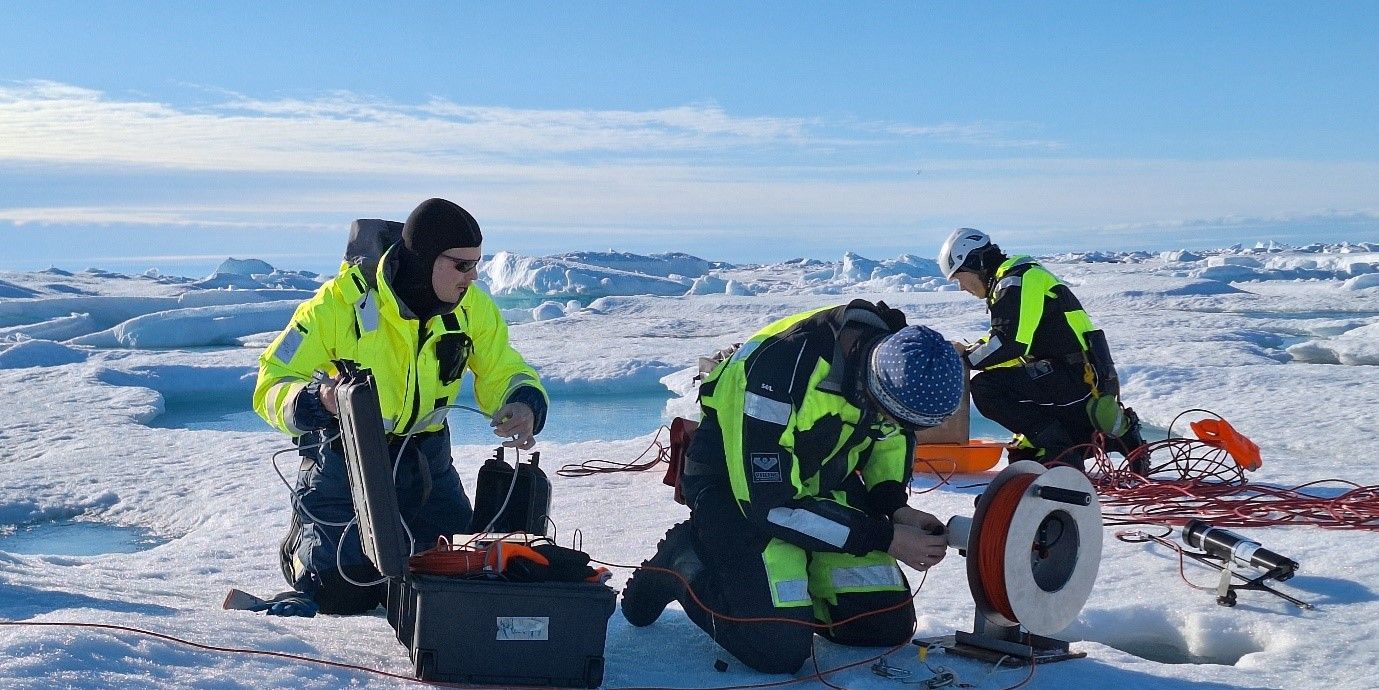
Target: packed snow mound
[737, 289]
[599, 274]
[37, 353]
[211, 298]
[11, 290]
[548, 310]
[707, 285]
[1102, 257]
[243, 267]
[1363, 282]
[664, 265]
[196, 327]
[251, 274]
[1274, 262]
[857, 268]
[106, 310]
[1231, 273]
[59, 328]
[852, 273]
[1358, 347]
[64, 318]
[1181, 255]
[288, 280]
[152, 283]
[180, 380]
[510, 274]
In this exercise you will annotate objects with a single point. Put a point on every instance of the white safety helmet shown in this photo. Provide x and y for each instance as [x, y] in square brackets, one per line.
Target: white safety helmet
[958, 247]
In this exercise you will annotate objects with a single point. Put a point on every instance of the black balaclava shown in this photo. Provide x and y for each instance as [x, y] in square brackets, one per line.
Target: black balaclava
[434, 227]
[985, 262]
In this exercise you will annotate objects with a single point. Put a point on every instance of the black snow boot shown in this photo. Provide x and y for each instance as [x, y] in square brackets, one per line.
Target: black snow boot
[649, 591]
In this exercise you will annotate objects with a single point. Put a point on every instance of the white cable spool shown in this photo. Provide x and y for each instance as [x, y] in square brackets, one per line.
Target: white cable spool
[1046, 590]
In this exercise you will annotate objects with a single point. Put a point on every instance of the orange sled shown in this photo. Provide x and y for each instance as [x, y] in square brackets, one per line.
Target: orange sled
[946, 458]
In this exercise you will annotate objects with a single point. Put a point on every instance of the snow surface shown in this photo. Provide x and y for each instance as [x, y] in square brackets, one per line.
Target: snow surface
[1279, 340]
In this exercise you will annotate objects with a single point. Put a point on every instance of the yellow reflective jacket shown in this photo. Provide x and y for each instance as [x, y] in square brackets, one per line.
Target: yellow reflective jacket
[350, 319]
[806, 463]
[1033, 316]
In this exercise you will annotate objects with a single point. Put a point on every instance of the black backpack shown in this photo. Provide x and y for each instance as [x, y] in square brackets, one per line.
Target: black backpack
[369, 239]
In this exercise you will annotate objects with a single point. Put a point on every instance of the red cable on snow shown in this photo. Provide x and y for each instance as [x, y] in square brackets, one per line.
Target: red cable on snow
[1202, 481]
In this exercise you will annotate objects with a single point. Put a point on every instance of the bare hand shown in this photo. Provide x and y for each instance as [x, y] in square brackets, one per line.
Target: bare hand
[327, 392]
[917, 548]
[906, 515]
[516, 422]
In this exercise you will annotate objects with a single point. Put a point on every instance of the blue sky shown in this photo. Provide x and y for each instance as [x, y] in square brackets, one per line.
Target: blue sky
[170, 134]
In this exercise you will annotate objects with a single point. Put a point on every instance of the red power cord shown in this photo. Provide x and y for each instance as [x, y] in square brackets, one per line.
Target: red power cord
[105, 627]
[1201, 481]
[600, 466]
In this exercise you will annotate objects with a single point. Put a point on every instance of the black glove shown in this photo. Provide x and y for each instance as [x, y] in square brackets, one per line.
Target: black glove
[563, 565]
[289, 604]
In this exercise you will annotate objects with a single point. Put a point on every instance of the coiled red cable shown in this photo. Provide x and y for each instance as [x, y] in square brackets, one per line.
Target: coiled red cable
[991, 544]
[1202, 482]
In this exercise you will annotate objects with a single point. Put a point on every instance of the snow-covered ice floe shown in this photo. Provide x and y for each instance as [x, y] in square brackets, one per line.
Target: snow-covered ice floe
[1267, 336]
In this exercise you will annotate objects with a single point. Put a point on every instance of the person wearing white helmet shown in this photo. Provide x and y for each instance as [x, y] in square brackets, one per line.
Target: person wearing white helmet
[1044, 371]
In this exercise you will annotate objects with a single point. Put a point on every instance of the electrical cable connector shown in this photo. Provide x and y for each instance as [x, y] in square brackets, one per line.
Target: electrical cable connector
[943, 677]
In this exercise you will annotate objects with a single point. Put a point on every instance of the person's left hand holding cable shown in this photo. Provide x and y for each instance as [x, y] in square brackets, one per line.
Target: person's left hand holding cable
[516, 422]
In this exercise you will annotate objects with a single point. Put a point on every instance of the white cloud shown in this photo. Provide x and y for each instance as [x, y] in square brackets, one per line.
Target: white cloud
[57, 123]
[680, 173]
[341, 132]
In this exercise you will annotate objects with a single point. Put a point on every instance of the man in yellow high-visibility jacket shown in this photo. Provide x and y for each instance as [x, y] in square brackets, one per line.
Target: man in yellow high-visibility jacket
[1044, 371]
[797, 483]
[418, 323]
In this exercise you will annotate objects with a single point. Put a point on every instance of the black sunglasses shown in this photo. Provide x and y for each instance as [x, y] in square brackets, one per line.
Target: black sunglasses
[462, 265]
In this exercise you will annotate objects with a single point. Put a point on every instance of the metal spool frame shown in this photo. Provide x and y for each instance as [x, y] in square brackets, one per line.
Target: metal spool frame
[1045, 587]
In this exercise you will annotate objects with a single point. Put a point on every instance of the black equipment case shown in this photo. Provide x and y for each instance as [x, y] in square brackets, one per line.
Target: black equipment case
[490, 632]
[457, 629]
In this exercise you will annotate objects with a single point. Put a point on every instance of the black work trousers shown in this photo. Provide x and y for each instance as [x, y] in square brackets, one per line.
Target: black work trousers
[1046, 402]
[319, 551]
[734, 583]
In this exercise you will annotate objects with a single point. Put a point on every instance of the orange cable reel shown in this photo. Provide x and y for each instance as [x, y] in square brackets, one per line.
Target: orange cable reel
[1033, 548]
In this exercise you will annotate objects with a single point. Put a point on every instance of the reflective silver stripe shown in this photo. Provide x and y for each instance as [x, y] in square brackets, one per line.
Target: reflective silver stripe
[389, 424]
[1012, 281]
[517, 381]
[814, 525]
[289, 344]
[866, 576]
[979, 355]
[282, 398]
[745, 350]
[796, 370]
[368, 312]
[766, 409]
[792, 592]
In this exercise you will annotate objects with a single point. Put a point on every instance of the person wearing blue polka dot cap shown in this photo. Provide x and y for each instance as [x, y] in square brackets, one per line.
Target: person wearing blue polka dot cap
[916, 377]
[797, 484]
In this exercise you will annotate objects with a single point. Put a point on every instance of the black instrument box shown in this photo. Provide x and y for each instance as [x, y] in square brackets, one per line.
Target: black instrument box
[491, 632]
[459, 629]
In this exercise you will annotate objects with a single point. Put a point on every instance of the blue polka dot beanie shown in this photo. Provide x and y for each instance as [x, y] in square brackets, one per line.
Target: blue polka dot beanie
[916, 375]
